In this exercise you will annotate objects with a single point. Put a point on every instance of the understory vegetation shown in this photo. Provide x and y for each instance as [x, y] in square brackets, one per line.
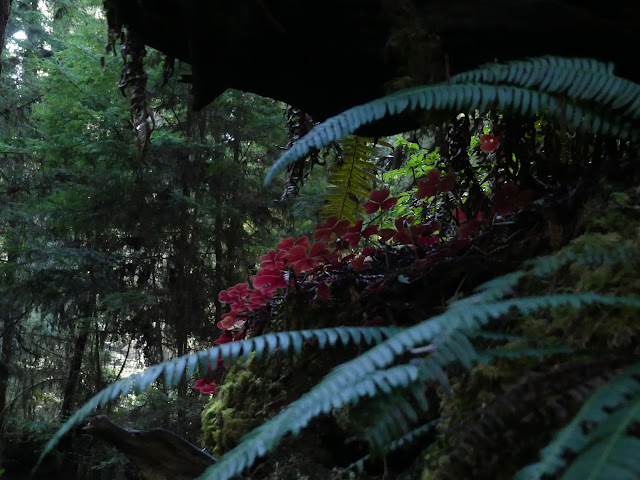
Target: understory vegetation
[458, 301]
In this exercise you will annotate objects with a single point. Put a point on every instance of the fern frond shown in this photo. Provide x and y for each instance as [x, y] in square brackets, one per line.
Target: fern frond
[175, 369]
[577, 78]
[622, 394]
[488, 356]
[573, 90]
[616, 458]
[373, 374]
[396, 412]
[349, 178]
[396, 444]
[587, 254]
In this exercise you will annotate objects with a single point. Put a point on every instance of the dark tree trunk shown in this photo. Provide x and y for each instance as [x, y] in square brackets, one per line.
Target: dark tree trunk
[5, 360]
[10, 318]
[5, 10]
[75, 367]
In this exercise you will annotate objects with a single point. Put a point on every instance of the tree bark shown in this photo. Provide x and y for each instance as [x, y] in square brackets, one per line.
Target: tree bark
[75, 367]
[5, 10]
[159, 454]
[5, 360]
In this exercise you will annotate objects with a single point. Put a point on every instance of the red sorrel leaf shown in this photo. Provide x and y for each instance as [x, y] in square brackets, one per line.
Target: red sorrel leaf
[323, 291]
[378, 196]
[447, 182]
[226, 337]
[296, 253]
[370, 230]
[318, 249]
[388, 203]
[366, 251]
[353, 239]
[285, 244]
[386, 233]
[370, 207]
[488, 143]
[358, 263]
[357, 228]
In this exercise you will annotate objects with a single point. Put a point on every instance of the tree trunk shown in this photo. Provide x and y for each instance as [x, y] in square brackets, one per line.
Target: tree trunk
[5, 360]
[10, 318]
[75, 367]
[5, 10]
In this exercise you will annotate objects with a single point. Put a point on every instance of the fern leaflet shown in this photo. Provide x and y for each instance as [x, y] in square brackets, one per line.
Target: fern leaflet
[603, 451]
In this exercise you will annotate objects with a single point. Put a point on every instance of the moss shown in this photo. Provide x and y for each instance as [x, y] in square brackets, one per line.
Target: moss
[238, 408]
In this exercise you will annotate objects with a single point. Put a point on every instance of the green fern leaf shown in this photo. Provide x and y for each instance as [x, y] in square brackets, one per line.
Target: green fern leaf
[524, 87]
[612, 395]
[616, 458]
[610, 448]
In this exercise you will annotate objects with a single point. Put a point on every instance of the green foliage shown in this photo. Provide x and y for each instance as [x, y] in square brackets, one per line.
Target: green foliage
[146, 252]
[577, 91]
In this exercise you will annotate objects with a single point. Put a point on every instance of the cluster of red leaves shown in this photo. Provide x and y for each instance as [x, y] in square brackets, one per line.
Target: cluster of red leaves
[378, 200]
[300, 256]
[467, 226]
[206, 386]
[507, 199]
[337, 233]
[408, 233]
[332, 238]
[431, 184]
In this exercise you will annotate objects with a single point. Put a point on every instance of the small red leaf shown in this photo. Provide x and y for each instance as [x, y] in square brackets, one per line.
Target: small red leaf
[226, 337]
[296, 253]
[304, 241]
[356, 228]
[318, 249]
[323, 291]
[370, 230]
[379, 196]
[366, 251]
[285, 244]
[447, 182]
[488, 143]
[358, 263]
[370, 207]
[386, 233]
[388, 203]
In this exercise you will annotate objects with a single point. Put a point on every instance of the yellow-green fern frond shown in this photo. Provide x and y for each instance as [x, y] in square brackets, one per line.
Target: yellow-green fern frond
[350, 178]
